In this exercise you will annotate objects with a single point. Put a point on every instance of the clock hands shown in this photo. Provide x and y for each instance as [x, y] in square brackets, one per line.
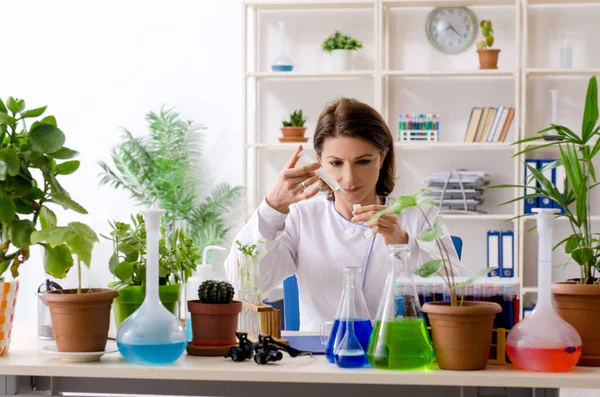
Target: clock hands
[454, 30]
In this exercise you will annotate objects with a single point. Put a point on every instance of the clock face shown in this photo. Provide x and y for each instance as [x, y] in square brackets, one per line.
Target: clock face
[451, 29]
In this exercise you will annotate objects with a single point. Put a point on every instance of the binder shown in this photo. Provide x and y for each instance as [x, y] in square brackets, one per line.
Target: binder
[546, 202]
[530, 203]
[508, 254]
[559, 174]
[493, 252]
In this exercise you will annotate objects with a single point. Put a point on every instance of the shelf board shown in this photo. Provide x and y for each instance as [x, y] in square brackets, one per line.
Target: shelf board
[447, 3]
[594, 218]
[449, 73]
[480, 217]
[563, 2]
[310, 75]
[562, 72]
[275, 5]
[530, 290]
[398, 145]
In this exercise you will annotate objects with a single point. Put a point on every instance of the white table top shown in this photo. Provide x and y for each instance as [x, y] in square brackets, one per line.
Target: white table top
[25, 358]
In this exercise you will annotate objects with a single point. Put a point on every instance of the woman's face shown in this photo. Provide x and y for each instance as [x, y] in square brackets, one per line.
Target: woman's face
[355, 164]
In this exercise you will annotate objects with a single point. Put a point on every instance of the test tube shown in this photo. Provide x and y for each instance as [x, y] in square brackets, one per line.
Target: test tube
[324, 175]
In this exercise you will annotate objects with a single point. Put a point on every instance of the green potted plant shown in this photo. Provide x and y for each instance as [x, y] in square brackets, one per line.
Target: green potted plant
[32, 150]
[577, 300]
[461, 330]
[293, 129]
[178, 258]
[80, 317]
[488, 57]
[340, 47]
[214, 314]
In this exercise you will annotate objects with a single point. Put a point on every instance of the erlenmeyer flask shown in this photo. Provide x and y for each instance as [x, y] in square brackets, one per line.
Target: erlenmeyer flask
[352, 310]
[543, 341]
[282, 62]
[400, 339]
[152, 335]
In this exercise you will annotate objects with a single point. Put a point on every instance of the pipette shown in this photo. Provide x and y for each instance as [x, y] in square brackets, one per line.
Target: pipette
[324, 175]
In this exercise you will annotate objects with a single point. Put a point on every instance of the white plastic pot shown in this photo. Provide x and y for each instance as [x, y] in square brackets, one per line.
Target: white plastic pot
[341, 60]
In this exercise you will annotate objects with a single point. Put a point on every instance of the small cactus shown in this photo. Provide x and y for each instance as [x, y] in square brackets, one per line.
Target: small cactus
[488, 32]
[215, 292]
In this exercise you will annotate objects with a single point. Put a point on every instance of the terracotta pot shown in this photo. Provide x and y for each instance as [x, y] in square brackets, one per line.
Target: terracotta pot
[462, 335]
[7, 311]
[80, 321]
[579, 305]
[488, 58]
[214, 324]
[293, 132]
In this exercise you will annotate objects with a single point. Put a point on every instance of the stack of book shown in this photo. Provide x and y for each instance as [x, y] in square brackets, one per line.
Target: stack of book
[489, 124]
[457, 191]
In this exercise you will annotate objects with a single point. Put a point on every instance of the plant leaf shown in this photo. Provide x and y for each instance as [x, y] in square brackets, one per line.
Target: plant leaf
[57, 260]
[46, 138]
[33, 112]
[582, 255]
[7, 208]
[590, 113]
[19, 232]
[81, 239]
[51, 237]
[474, 277]
[64, 154]
[47, 218]
[429, 268]
[68, 167]
[6, 119]
[67, 203]
[431, 233]
[123, 270]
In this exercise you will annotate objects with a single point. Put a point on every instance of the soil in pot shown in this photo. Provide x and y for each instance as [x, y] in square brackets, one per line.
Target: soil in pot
[214, 324]
[130, 299]
[462, 335]
[80, 321]
[488, 58]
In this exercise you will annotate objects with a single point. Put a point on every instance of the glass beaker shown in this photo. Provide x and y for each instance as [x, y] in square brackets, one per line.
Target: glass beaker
[400, 339]
[543, 341]
[282, 62]
[152, 334]
[357, 315]
[44, 320]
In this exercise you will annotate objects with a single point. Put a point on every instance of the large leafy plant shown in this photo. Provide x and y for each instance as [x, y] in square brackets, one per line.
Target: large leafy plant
[577, 152]
[161, 169]
[178, 256]
[31, 163]
[433, 232]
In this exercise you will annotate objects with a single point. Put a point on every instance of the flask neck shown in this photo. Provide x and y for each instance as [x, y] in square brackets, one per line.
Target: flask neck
[545, 228]
[399, 258]
[152, 225]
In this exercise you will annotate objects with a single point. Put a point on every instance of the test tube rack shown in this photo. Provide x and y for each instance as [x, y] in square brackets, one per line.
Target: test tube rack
[269, 321]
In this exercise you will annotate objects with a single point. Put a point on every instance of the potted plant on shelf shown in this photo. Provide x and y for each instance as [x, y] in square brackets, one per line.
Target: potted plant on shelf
[214, 314]
[30, 169]
[80, 317]
[340, 47]
[577, 300]
[488, 57]
[178, 258]
[293, 129]
[461, 330]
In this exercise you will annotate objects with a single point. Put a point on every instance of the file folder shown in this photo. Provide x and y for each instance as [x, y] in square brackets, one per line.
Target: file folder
[493, 252]
[508, 254]
[546, 202]
[530, 203]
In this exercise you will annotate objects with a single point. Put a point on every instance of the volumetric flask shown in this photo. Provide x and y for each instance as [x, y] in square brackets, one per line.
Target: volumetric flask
[152, 334]
[400, 339]
[543, 341]
[352, 310]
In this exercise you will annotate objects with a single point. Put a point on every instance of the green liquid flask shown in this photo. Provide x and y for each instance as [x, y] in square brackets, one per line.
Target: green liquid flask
[400, 339]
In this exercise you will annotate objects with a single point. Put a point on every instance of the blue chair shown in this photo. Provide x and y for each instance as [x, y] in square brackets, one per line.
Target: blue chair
[291, 310]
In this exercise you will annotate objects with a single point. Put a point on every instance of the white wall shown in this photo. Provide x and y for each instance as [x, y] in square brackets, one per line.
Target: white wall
[101, 66]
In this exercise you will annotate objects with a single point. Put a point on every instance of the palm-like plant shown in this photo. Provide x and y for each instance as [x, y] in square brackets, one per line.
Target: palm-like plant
[160, 170]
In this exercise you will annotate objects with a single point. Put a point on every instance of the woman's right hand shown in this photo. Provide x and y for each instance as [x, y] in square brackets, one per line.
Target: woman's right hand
[288, 189]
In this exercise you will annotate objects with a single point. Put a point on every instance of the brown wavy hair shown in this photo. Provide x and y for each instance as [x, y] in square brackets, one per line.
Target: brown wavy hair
[348, 117]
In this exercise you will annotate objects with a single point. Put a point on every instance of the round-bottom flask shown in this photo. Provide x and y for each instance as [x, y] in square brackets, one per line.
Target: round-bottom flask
[152, 334]
[544, 342]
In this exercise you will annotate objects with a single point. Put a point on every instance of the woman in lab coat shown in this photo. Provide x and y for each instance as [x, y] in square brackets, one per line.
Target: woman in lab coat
[315, 239]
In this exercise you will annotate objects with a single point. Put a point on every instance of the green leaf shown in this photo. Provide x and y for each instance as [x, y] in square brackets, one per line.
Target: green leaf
[3, 170]
[81, 239]
[582, 255]
[3, 109]
[12, 105]
[64, 154]
[68, 167]
[33, 112]
[36, 159]
[52, 237]
[113, 262]
[7, 208]
[46, 138]
[10, 157]
[57, 260]
[474, 277]
[429, 268]
[67, 203]
[24, 206]
[124, 270]
[431, 233]
[127, 248]
[590, 113]
[6, 119]
[19, 187]
[54, 184]
[36, 193]
[47, 218]
[572, 243]
[19, 232]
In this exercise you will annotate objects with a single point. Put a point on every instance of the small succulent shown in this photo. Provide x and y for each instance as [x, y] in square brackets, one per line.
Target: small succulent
[296, 119]
[488, 33]
[215, 292]
[339, 41]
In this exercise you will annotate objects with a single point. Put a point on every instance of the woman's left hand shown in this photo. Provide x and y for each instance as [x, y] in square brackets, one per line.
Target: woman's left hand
[387, 225]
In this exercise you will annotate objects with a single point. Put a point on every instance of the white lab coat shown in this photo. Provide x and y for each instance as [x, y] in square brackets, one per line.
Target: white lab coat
[315, 242]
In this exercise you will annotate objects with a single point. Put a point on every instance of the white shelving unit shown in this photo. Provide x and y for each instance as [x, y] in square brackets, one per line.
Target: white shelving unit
[399, 72]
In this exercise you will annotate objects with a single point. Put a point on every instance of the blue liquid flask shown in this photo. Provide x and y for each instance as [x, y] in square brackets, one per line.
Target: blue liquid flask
[352, 313]
[152, 334]
[282, 62]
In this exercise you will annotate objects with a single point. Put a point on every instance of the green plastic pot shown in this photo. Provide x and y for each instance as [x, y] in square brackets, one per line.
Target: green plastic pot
[130, 299]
